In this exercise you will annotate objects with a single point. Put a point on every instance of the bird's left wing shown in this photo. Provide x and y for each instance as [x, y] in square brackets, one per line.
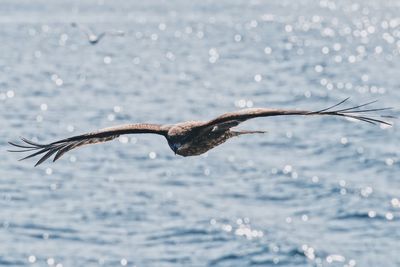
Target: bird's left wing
[86, 30]
[358, 112]
[62, 146]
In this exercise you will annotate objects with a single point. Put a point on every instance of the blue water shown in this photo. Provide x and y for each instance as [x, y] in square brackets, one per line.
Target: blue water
[310, 192]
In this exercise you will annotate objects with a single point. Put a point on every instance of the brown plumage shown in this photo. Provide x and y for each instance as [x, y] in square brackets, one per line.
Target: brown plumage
[189, 138]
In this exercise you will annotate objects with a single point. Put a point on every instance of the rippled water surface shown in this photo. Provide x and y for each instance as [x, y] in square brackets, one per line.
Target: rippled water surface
[310, 192]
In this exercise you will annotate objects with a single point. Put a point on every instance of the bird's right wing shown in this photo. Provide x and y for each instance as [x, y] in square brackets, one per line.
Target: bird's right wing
[115, 33]
[62, 146]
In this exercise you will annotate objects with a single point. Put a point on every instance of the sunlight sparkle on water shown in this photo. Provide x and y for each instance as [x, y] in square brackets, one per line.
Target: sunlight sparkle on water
[39, 118]
[287, 169]
[257, 77]
[117, 109]
[124, 262]
[214, 55]
[335, 257]
[10, 93]
[43, 107]
[32, 259]
[237, 37]
[107, 60]
[49, 171]
[308, 251]
[365, 192]
[267, 50]
[152, 155]
[372, 214]
[50, 261]
[244, 229]
[227, 227]
[111, 117]
[123, 139]
[389, 161]
[389, 216]
[72, 158]
[395, 202]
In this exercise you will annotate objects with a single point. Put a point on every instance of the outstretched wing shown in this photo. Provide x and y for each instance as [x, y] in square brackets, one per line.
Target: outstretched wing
[231, 119]
[62, 146]
[115, 33]
[86, 30]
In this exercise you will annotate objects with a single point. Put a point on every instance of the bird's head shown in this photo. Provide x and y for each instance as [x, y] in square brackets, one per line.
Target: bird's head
[174, 146]
[93, 38]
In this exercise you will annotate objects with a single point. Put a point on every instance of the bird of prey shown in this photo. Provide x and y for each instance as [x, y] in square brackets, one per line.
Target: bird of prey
[190, 138]
[94, 38]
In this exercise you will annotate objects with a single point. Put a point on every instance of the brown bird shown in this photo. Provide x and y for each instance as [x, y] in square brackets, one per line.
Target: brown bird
[190, 138]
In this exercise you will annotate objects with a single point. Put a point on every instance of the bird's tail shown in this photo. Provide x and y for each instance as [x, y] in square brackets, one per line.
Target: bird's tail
[237, 133]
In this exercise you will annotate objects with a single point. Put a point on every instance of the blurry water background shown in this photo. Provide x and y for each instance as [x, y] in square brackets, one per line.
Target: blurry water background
[310, 192]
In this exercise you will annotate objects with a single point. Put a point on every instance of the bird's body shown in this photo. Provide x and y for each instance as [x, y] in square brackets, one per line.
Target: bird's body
[203, 143]
[185, 141]
[189, 138]
[93, 38]
[200, 143]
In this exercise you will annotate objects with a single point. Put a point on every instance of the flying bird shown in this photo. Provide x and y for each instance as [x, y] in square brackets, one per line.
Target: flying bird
[94, 38]
[191, 138]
